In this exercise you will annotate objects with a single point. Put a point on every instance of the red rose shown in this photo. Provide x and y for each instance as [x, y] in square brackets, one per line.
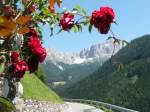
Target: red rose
[109, 14]
[33, 43]
[19, 68]
[104, 28]
[102, 19]
[36, 49]
[67, 21]
[32, 32]
[40, 53]
[14, 56]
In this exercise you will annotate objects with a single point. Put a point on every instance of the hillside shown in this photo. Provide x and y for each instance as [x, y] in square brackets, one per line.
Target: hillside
[70, 72]
[35, 89]
[128, 88]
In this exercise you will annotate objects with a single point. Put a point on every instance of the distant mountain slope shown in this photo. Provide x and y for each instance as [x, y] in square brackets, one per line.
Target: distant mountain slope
[61, 66]
[129, 88]
[71, 72]
[99, 50]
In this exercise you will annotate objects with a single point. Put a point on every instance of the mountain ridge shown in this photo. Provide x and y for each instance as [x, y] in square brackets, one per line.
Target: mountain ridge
[128, 88]
[99, 50]
[58, 64]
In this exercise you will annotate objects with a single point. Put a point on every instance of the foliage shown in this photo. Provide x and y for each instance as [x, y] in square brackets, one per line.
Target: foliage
[128, 88]
[41, 75]
[35, 89]
[6, 105]
[55, 74]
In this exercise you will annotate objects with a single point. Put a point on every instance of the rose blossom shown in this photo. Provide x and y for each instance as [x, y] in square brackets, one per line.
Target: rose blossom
[14, 56]
[19, 68]
[33, 43]
[40, 53]
[36, 49]
[102, 19]
[32, 32]
[67, 21]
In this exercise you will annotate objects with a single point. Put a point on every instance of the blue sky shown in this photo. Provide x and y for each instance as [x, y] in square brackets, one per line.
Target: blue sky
[132, 16]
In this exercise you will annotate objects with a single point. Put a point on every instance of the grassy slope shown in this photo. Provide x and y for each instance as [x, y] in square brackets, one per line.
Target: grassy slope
[35, 89]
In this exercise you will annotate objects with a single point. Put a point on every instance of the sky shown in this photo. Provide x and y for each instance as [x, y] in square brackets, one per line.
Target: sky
[132, 16]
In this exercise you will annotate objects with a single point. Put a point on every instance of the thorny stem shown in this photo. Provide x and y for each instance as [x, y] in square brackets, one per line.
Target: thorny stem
[114, 47]
[82, 16]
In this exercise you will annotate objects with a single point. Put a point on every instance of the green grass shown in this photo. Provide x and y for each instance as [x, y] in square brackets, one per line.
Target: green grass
[35, 89]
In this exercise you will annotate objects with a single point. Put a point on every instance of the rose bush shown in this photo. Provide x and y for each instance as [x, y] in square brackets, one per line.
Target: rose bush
[20, 31]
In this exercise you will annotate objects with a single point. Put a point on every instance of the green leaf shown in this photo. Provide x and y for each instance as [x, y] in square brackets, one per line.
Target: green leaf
[85, 23]
[74, 11]
[78, 7]
[75, 28]
[84, 11]
[90, 28]
[6, 105]
[2, 67]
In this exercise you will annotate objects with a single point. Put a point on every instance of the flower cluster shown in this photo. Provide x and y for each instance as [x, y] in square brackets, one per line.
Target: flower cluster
[67, 21]
[16, 23]
[102, 19]
[18, 66]
[36, 54]
[35, 48]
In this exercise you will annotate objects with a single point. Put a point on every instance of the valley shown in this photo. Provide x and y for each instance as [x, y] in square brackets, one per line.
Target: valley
[128, 87]
[65, 69]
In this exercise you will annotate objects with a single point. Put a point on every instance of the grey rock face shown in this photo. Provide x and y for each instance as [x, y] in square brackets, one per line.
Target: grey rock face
[4, 88]
[99, 50]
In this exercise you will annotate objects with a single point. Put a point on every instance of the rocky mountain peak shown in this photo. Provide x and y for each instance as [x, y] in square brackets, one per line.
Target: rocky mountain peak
[99, 50]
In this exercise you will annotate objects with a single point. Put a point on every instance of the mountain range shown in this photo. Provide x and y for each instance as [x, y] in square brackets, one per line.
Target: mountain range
[129, 87]
[67, 68]
[100, 50]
